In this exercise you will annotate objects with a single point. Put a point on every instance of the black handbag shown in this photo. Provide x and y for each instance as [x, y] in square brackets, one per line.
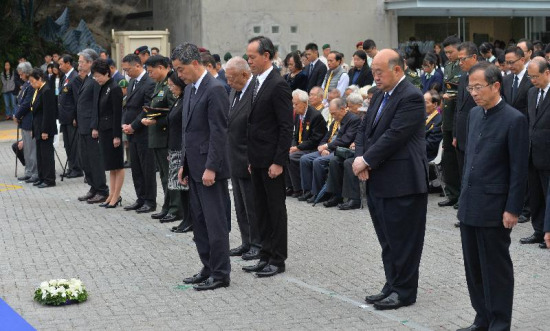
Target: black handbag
[344, 153]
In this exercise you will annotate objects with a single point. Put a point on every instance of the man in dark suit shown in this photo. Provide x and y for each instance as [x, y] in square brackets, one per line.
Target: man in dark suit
[239, 78]
[205, 165]
[316, 70]
[87, 122]
[493, 185]
[140, 93]
[209, 63]
[309, 128]
[360, 74]
[539, 155]
[515, 88]
[117, 76]
[66, 110]
[269, 140]
[392, 157]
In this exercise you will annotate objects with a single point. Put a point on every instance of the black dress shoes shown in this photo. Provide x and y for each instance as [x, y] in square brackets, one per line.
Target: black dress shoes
[257, 267]
[297, 194]
[135, 206]
[457, 224]
[238, 251]
[311, 199]
[532, 239]
[289, 191]
[169, 218]
[350, 204]
[455, 206]
[158, 216]
[390, 302]
[73, 174]
[270, 270]
[542, 245]
[474, 327]
[44, 185]
[86, 196]
[523, 219]
[211, 284]
[195, 279]
[305, 196]
[447, 203]
[183, 229]
[31, 180]
[375, 297]
[38, 182]
[23, 178]
[97, 199]
[252, 254]
[146, 209]
[333, 202]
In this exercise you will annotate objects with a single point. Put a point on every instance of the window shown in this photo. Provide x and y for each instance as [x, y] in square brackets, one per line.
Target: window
[293, 48]
[275, 29]
[257, 29]
[294, 29]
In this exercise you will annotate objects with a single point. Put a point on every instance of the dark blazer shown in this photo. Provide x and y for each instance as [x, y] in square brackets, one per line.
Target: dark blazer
[205, 130]
[365, 76]
[437, 77]
[68, 96]
[24, 99]
[316, 77]
[314, 128]
[237, 133]
[117, 77]
[175, 118]
[539, 130]
[43, 113]
[110, 108]
[395, 147]
[297, 82]
[133, 111]
[433, 136]
[520, 102]
[270, 123]
[223, 80]
[345, 134]
[464, 102]
[86, 106]
[495, 166]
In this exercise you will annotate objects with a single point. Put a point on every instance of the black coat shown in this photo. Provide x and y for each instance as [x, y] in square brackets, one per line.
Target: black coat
[68, 95]
[86, 106]
[539, 130]
[365, 76]
[520, 102]
[175, 118]
[270, 123]
[395, 148]
[237, 133]
[43, 113]
[345, 134]
[133, 112]
[464, 102]
[24, 99]
[317, 76]
[110, 108]
[433, 136]
[314, 128]
[297, 82]
[495, 166]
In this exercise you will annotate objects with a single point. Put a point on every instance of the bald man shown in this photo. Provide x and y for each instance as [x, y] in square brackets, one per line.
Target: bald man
[391, 155]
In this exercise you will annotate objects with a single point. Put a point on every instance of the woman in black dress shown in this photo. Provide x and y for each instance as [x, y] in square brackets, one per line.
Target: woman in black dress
[175, 118]
[296, 78]
[110, 130]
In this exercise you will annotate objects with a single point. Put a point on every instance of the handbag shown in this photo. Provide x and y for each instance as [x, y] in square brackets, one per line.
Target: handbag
[344, 153]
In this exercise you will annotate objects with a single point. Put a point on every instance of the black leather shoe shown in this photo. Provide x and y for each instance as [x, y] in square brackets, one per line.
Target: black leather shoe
[447, 203]
[86, 196]
[195, 279]
[74, 174]
[257, 267]
[375, 297]
[457, 224]
[542, 245]
[297, 194]
[289, 191]
[455, 206]
[311, 199]
[135, 206]
[211, 284]
[390, 302]
[97, 199]
[252, 254]
[169, 218]
[305, 196]
[332, 202]
[270, 270]
[31, 180]
[185, 229]
[523, 219]
[146, 209]
[38, 182]
[158, 216]
[23, 178]
[350, 204]
[532, 239]
[43, 185]
[238, 251]
[474, 327]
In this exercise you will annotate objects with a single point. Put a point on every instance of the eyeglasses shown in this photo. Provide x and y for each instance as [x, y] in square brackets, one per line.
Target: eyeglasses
[533, 76]
[476, 88]
[463, 59]
[511, 62]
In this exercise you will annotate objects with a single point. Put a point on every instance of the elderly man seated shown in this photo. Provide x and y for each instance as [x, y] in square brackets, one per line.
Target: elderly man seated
[309, 128]
[333, 93]
[316, 98]
[314, 166]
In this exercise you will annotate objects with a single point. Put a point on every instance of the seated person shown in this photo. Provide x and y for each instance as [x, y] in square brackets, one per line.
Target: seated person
[341, 133]
[333, 93]
[309, 128]
[316, 98]
[433, 124]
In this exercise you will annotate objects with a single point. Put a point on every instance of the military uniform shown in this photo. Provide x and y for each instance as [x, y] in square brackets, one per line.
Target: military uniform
[413, 77]
[158, 142]
[449, 159]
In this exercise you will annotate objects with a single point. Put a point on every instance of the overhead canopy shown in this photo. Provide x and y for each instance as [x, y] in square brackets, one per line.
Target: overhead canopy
[511, 8]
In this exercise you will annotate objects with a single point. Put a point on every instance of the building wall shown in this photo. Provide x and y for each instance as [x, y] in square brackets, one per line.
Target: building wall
[226, 25]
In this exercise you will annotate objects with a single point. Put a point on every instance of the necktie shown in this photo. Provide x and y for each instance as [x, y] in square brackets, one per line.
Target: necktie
[335, 128]
[515, 87]
[236, 99]
[135, 85]
[379, 113]
[541, 98]
[300, 130]
[327, 84]
[310, 70]
[256, 88]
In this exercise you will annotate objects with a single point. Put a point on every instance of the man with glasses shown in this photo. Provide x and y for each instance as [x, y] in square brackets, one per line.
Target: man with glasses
[493, 186]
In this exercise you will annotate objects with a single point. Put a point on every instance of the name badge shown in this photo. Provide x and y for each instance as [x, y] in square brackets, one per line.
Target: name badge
[161, 93]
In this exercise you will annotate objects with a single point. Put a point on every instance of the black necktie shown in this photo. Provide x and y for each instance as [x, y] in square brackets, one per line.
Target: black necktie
[541, 98]
[236, 99]
[515, 87]
[310, 70]
[256, 88]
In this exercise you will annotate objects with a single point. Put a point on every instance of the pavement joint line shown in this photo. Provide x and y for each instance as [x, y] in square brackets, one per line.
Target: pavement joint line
[413, 325]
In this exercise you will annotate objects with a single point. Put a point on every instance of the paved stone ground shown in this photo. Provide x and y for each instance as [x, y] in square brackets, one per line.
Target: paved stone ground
[133, 267]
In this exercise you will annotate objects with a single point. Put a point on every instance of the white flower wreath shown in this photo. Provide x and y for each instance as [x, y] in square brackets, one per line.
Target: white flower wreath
[60, 292]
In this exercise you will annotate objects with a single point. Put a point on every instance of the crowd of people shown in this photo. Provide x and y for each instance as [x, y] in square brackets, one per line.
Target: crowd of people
[310, 127]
